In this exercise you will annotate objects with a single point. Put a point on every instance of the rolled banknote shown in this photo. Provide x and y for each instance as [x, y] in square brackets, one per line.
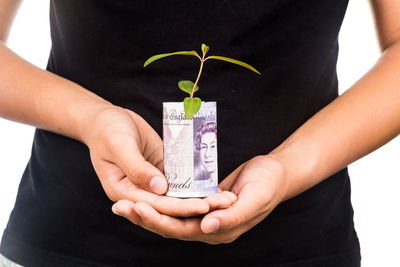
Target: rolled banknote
[190, 150]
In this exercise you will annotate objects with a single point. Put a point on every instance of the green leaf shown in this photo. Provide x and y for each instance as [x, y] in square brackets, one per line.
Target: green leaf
[191, 106]
[184, 53]
[204, 49]
[187, 86]
[234, 61]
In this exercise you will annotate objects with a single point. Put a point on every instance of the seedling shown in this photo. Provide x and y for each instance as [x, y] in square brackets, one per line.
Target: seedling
[192, 104]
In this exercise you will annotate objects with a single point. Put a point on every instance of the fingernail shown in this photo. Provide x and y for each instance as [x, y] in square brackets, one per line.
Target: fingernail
[211, 225]
[232, 196]
[138, 212]
[115, 210]
[157, 185]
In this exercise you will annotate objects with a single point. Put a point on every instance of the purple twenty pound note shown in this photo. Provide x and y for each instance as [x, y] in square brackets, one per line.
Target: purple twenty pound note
[190, 150]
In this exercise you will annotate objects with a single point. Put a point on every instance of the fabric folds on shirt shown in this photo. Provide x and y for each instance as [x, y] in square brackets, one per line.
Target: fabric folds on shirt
[62, 217]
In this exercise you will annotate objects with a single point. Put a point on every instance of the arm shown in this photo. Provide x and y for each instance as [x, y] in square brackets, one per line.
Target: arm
[37, 97]
[362, 119]
[125, 151]
[8, 10]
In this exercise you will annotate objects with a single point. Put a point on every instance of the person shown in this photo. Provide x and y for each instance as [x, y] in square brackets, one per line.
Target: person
[205, 142]
[285, 196]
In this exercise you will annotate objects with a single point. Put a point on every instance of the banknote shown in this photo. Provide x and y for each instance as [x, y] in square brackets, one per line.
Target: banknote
[190, 150]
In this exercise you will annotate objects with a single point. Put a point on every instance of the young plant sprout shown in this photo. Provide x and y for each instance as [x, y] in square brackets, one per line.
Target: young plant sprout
[192, 104]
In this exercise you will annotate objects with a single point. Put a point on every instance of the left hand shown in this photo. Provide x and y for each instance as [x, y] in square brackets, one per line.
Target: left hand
[259, 184]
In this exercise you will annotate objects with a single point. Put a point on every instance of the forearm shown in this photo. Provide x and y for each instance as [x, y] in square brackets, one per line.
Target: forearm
[364, 118]
[40, 98]
[8, 10]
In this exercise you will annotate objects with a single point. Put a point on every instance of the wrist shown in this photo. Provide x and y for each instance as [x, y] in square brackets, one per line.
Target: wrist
[275, 168]
[300, 166]
[64, 108]
[86, 118]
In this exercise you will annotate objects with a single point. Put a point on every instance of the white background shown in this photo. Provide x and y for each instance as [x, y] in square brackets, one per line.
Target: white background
[374, 178]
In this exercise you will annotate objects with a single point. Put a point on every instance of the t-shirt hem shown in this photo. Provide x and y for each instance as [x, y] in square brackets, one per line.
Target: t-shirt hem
[28, 255]
[350, 258]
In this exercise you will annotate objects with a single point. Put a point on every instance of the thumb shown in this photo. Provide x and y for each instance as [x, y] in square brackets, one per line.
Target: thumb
[139, 171]
[147, 176]
[247, 207]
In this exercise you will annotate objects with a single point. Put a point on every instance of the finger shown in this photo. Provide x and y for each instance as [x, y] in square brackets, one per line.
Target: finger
[108, 174]
[246, 208]
[105, 170]
[166, 226]
[117, 186]
[156, 158]
[126, 209]
[166, 205]
[185, 229]
[221, 200]
[142, 173]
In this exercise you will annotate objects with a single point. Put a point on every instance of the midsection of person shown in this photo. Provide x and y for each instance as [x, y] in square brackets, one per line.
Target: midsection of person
[102, 46]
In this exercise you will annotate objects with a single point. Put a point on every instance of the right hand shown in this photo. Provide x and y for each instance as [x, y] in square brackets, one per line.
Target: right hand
[127, 155]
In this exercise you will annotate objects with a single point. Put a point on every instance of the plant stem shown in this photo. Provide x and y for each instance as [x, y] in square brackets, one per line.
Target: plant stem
[198, 76]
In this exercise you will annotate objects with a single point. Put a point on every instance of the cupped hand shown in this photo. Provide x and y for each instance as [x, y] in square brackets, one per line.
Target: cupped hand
[127, 155]
[259, 184]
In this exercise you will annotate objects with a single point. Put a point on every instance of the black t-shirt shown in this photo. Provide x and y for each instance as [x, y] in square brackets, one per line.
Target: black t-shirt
[62, 217]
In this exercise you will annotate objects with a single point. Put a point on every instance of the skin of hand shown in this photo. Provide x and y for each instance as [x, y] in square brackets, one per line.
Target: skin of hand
[127, 155]
[298, 171]
[364, 118]
[259, 184]
[125, 151]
